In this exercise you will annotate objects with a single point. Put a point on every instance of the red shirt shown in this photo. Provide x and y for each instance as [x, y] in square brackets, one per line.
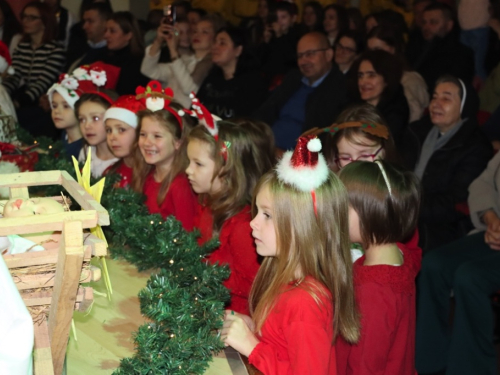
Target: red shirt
[297, 336]
[126, 173]
[237, 249]
[179, 201]
[386, 300]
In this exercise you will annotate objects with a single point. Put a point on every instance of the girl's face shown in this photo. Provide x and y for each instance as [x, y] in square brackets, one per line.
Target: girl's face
[200, 171]
[354, 232]
[120, 137]
[309, 17]
[203, 35]
[115, 37]
[330, 21]
[224, 51]
[158, 146]
[31, 21]
[361, 148]
[371, 84]
[91, 119]
[376, 43]
[62, 113]
[262, 225]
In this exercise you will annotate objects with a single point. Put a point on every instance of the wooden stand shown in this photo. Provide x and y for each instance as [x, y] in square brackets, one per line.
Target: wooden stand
[59, 288]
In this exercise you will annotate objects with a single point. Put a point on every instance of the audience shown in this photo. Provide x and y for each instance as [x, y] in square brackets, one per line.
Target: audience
[65, 20]
[336, 21]
[234, 86]
[10, 28]
[38, 60]
[438, 52]
[378, 83]
[311, 97]
[312, 17]
[415, 89]
[348, 47]
[447, 150]
[186, 72]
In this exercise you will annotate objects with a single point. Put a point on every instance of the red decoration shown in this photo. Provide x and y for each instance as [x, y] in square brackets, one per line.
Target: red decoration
[302, 156]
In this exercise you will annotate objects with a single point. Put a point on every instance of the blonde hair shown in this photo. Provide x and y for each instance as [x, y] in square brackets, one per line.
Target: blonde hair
[238, 173]
[141, 169]
[318, 245]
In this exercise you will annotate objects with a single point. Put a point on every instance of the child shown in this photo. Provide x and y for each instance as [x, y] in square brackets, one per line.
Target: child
[302, 297]
[160, 161]
[90, 109]
[121, 123]
[221, 170]
[384, 203]
[62, 101]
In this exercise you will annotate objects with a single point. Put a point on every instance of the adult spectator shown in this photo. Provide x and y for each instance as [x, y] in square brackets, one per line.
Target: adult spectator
[37, 61]
[356, 21]
[125, 50]
[95, 17]
[468, 267]
[447, 150]
[311, 97]
[415, 89]
[312, 17]
[65, 20]
[234, 86]
[10, 28]
[256, 26]
[441, 53]
[336, 21]
[348, 47]
[186, 72]
[87, 36]
[194, 15]
[378, 76]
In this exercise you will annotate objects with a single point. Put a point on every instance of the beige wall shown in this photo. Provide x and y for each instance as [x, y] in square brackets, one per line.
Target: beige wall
[139, 8]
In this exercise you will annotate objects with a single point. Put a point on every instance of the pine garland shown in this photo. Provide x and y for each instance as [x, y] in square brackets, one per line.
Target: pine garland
[184, 301]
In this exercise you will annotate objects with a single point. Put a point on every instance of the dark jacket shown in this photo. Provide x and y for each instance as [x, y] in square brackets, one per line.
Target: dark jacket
[442, 56]
[236, 97]
[446, 179]
[323, 105]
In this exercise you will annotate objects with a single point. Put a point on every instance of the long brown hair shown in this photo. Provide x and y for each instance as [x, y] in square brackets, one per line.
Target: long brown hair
[238, 174]
[141, 169]
[48, 19]
[128, 24]
[317, 245]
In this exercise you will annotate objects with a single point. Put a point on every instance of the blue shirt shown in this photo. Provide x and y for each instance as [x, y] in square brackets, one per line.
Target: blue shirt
[290, 123]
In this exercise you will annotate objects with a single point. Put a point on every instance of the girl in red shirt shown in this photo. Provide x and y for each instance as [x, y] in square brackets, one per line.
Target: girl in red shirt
[302, 297]
[383, 213]
[160, 157]
[120, 121]
[224, 168]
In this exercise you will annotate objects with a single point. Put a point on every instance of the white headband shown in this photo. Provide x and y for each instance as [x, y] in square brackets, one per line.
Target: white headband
[385, 176]
[464, 95]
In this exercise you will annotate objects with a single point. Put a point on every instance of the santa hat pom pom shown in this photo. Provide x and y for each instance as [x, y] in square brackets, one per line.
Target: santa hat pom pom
[180, 112]
[314, 145]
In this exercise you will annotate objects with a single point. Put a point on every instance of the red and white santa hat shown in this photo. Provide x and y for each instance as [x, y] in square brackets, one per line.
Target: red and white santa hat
[304, 168]
[86, 79]
[155, 98]
[125, 109]
[204, 116]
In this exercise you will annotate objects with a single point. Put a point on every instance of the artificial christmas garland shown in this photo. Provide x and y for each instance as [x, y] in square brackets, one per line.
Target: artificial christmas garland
[184, 300]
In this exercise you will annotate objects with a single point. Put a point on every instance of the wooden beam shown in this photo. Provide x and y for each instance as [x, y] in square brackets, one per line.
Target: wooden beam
[31, 179]
[42, 356]
[68, 269]
[20, 192]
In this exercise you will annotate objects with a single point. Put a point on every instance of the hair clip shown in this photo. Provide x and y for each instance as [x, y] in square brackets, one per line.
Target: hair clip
[223, 151]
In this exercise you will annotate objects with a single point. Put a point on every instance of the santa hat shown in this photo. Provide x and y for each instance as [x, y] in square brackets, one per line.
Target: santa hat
[125, 109]
[5, 60]
[155, 98]
[304, 168]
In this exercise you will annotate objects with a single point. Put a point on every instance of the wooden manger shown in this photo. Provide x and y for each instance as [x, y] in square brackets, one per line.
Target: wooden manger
[49, 281]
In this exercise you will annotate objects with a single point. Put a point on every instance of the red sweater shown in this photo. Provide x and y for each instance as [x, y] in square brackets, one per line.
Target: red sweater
[179, 201]
[126, 173]
[386, 301]
[237, 249]
[296, 338]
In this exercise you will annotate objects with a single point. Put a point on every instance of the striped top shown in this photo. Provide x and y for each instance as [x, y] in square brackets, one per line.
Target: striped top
[37, 69]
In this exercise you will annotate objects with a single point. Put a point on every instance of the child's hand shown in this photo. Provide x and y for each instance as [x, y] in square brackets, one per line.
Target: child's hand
[236, 333]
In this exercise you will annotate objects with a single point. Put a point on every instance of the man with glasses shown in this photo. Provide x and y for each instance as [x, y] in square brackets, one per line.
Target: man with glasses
[311, 97]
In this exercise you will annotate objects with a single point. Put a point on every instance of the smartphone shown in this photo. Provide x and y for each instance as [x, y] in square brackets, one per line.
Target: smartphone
[169, 15]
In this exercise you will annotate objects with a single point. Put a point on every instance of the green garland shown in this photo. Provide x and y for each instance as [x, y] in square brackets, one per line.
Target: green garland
[184, 301]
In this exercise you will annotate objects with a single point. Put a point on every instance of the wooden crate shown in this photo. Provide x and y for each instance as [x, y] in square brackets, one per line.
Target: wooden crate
[59, 289]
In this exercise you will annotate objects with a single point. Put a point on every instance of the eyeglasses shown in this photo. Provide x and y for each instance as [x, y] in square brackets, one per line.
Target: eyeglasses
[343, 161]
[340, 47]
[310, 53]
[29, 17]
